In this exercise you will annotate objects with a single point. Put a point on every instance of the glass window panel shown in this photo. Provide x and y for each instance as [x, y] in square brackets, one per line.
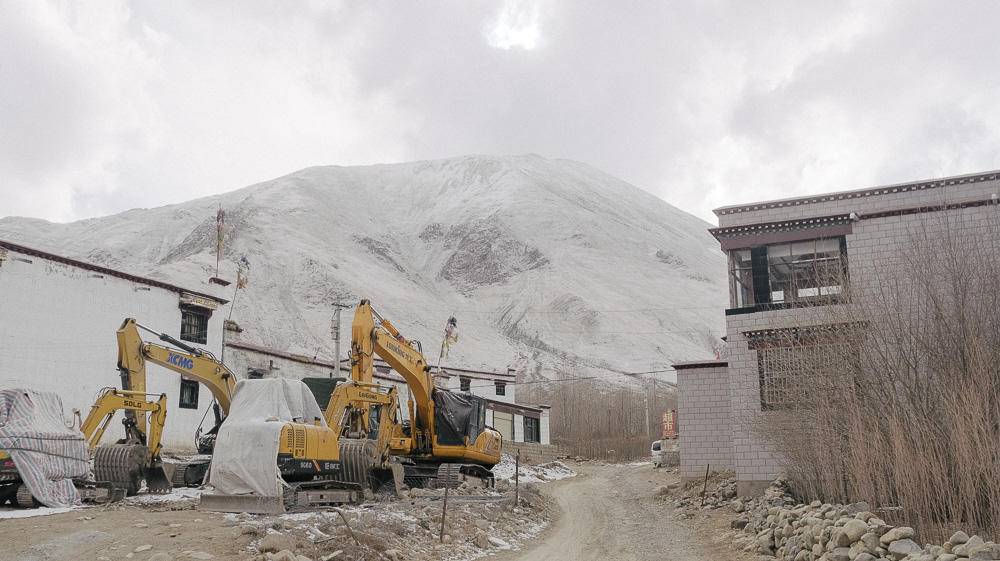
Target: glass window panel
[828, 245]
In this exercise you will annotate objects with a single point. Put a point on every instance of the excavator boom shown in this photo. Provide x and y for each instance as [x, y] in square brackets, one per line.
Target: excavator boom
[190, 362]
[462, 444]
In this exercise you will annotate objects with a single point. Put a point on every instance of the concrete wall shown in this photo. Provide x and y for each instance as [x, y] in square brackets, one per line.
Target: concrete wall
[873, 248]
[241, 360]
[705, 417]
[481, 387]
[57, 333]
[534, 453]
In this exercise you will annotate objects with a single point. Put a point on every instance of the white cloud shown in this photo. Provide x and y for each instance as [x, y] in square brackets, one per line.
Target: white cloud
[111, 105]
[517, 25]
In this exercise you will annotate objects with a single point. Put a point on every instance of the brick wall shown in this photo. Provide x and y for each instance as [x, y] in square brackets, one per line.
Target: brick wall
[704, 416]
[534, 453]
[873, 248]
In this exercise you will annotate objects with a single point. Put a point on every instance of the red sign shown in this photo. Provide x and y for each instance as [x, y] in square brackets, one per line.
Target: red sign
[670, 424]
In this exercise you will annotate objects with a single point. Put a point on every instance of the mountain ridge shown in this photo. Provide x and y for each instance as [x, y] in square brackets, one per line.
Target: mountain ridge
[536, 253]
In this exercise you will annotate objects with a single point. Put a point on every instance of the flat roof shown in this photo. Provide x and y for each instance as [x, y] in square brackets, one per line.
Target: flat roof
[106, 271]
[345, 363]
[280, 354]
[864, 192]
[700, 364]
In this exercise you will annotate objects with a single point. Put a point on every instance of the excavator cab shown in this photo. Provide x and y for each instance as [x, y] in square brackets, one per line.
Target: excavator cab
[460, 418]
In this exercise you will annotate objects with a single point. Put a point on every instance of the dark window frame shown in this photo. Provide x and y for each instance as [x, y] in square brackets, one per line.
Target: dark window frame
[754, 278]
[501, 388]
[465, 384]
[194, 324]
[532, 429]
[187, 389]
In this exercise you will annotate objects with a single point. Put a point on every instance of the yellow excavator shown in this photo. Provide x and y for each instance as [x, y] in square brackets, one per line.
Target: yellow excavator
[136, 457]
[446, 439]
[188, 361]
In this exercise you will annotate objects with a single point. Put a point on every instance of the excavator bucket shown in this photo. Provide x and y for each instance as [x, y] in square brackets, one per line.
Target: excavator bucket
[156, 479]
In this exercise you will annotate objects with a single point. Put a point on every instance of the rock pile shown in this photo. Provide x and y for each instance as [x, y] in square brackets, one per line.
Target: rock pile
[720, 492]
[776, 527]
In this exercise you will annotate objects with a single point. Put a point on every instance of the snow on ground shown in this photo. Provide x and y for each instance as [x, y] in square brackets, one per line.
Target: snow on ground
[7, 513]
[552, 471]
[178, 494]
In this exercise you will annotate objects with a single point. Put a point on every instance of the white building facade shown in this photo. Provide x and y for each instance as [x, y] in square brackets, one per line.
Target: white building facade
[58, 319]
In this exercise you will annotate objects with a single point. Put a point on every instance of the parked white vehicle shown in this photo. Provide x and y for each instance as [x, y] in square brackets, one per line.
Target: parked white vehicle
[656, 451]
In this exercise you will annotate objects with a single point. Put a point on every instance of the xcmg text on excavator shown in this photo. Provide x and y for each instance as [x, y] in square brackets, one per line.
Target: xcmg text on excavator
[188, 361]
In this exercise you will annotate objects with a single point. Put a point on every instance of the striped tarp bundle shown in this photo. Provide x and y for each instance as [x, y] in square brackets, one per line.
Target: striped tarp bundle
[47, 453]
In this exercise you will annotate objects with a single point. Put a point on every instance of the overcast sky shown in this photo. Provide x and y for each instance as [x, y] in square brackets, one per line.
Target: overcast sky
[106, 106]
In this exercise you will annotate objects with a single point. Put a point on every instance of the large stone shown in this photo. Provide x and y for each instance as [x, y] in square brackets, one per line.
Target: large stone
[968, 547]
[947, 557]
[273, 543]
[865, 557]
[840, 554]
[854, 529]
[283, 555]
[958, 538]
[896, 534]
[985, 552]
[901, 548]
[855, 508]
[481, 540]
[871, 542]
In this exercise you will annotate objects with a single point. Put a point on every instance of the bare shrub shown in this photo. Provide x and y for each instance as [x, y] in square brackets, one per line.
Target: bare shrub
[603, 422]
[903, 409]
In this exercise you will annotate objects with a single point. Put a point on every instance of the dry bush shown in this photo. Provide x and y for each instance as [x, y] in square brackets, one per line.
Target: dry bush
[604, 422]
[902, 408]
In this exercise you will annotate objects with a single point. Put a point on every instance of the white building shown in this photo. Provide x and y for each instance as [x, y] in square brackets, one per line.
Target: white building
[58, 318]
[517, 423]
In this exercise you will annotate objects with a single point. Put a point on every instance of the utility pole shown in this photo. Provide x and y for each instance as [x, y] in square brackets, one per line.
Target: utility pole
[335, 333]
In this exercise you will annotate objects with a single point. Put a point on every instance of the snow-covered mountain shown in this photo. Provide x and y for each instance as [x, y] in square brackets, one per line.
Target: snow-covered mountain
[550, 266]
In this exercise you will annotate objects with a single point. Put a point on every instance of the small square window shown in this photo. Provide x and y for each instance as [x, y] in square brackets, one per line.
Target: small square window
[189, 394]
[194, 325]
[532, 432]
[501, 388]
[465, 383]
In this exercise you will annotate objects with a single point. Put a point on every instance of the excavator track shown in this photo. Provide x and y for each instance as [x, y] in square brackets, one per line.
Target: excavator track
[24, 497]
[120, 465]
[448, 476]
[189, 474]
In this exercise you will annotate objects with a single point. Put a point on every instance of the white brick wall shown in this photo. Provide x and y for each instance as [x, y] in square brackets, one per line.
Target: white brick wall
[705, 418]
[873, 249]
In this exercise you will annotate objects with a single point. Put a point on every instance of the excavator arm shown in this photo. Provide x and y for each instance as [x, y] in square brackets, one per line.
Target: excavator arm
[137, 456]
[190, 362]
[372, 335]
[110, 401]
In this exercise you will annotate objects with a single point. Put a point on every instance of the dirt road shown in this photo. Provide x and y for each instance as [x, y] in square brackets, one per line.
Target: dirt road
[609, 514]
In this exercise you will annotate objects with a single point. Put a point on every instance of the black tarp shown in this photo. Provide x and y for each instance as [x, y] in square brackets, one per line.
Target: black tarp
[456, 416]
[322, 389]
